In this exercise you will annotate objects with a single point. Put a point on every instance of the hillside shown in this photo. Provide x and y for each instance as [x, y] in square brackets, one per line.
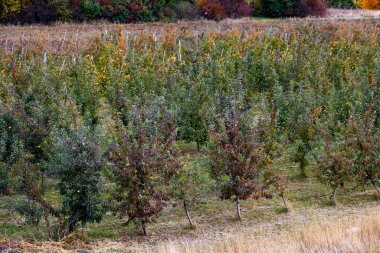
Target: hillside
[244, 135]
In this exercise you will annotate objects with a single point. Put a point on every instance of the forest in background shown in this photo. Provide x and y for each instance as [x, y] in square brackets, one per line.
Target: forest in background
[122, 11]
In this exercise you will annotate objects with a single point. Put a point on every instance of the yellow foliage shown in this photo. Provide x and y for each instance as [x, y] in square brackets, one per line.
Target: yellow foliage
[122, 45]
[9, 7]
[367, 4]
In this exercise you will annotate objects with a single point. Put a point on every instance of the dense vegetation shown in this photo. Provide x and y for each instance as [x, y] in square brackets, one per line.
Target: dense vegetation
[121, 11]
[102, 124]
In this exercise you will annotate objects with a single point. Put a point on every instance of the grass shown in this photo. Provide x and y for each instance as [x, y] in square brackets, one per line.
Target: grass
[280, 210]
[348, 229]
[344, 235]
[20, 232]
[102, 233]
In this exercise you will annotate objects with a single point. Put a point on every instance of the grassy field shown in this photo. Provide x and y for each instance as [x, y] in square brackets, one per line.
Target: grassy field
[312, 223]
[78, 37]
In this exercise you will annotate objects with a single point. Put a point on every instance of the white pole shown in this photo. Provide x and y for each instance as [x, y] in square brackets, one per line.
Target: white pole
[44, 67]
[6, 44]
[179, 51]
[63, 40]
[63, 64]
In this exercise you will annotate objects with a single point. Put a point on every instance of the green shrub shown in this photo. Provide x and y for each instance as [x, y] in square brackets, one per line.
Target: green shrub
[121, 15]
[281, 8]
[78, 162]
[62, 8]
[342, 4]
[9, 147]
[4, 179]
[9, 8]
[186, 10]
[27, 208]
[146, 15]
[257, 7]
[89, 9]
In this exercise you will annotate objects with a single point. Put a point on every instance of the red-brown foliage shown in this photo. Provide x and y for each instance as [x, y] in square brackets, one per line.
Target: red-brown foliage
[238, 155]
[144, 160]
[314, 7]
[219, 9]
[212, 9]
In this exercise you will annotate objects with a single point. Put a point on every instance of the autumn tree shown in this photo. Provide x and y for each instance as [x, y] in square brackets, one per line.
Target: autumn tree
[370, 4]
[23, 129]
[10, 7]
[27, 174]
[144, 159]
[364, 142]
[239, 162]
[270, 139]
[367, 4]
[334, 166]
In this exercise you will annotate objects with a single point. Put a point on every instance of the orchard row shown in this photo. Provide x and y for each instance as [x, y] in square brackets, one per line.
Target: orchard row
[104, 124]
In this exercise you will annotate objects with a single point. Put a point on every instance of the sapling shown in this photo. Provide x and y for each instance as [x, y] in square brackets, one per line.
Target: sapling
[364, 142]
[144, 159]
[192, 184]
[78, 160]
[334, 164]
[238, 158]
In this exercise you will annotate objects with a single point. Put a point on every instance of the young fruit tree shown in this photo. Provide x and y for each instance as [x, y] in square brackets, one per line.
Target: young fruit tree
[364, 144]
[78, 160]
[144, 159]
[27, 175]
[297, 113]
[192, 184]
[239, 161]
[9, 147]
[192, 125]
[334, 164]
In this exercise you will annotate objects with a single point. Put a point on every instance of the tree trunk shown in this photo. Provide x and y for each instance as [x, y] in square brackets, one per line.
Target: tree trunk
[66, 230]
[302, 170]
[238, 207]
[5, 190]
[198, 146]
[187, 213]
[376, 188]
[369, 177]
[283, 200]
[42, 182]
[47, 223]
[334, 194]
[143, 226]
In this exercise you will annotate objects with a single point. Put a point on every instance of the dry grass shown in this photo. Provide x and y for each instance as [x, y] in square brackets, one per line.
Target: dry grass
[324, 229]
[76, 38]
[353, 14]
[345, 235]
[333, 229]
[69, 245]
